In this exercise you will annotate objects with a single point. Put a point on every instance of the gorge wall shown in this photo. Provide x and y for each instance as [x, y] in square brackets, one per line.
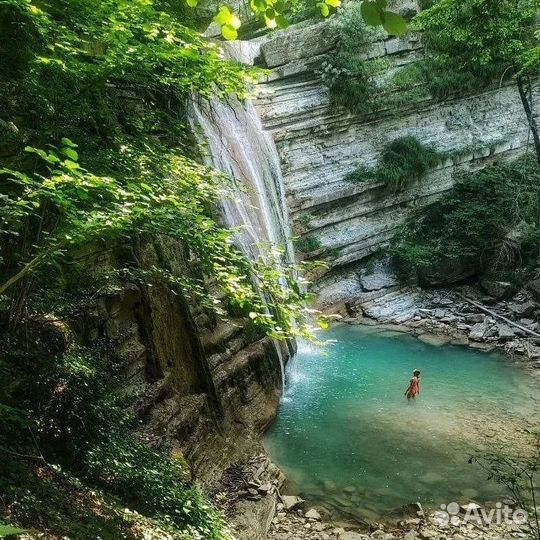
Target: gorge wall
[203, 388]
[319, 145]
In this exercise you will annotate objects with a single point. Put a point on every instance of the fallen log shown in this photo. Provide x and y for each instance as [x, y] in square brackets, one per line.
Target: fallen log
[492, 313]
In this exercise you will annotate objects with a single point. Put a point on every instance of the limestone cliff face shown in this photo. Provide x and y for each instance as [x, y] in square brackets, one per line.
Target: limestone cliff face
[202, 387]
[319, 144]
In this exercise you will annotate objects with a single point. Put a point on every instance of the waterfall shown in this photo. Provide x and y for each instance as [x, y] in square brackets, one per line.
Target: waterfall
[238, 146]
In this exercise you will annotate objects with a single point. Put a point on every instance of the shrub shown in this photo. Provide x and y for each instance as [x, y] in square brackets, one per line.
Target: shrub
[490, 218]
[350, 78]
[474, 43]
[64, 411]
[307, 244]
[402, 162]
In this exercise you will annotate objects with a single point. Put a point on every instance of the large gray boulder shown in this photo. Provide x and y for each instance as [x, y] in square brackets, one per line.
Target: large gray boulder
[290, 502]
[506, 332]
[380, 277]
[299, 41]
[498, 289]
[524, 310]
[479, 331]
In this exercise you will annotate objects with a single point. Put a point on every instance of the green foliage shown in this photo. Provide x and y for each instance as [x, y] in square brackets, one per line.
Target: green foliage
[9, 530]
[375, 14]
[477, 42]
[490, 218]
[349, 76]
[402, 162]
[305, 220]
[354, 80]
[519, 475]
[114, 77]
[307, 244]
[83, 429]
[471, 44]
[132, 179]
[279, 13]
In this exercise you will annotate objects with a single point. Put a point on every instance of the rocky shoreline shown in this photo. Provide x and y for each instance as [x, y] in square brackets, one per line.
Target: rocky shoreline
[251, 498]
[487, 315]
[459, 316]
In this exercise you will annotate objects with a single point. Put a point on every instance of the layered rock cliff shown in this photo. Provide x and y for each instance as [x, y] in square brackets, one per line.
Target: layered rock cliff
[204, 388]
[319, 145]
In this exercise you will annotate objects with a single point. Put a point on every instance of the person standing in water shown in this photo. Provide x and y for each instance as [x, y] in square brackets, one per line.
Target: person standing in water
[414, 386]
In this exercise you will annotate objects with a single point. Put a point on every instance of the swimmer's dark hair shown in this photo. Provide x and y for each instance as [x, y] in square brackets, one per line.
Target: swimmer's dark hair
[416, 372]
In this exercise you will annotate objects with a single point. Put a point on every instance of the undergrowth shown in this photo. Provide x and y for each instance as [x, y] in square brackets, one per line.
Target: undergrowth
[307, 244]
[75, 470]
[490, 219]
[349, 76]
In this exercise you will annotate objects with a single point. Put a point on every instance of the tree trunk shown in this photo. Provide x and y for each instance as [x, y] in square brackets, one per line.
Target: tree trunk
[530, 118]
[534, 131]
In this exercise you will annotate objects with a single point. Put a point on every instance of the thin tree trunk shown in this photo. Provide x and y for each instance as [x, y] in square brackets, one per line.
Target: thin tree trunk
[29, 267]
[534, 131]
[530, 118]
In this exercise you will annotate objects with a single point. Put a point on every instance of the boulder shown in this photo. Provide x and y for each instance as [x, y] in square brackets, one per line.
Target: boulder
[478, 331]
[299, 41]
[474, 318]
[498, 289]
[505, 332]
[313, 514]
[534, 288]
[381, 277]
[525, 309]
[252, 519]
[290, 502]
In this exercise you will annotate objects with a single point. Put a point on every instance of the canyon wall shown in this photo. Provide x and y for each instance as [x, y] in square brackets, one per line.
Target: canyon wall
[203, 388]
[319, 145]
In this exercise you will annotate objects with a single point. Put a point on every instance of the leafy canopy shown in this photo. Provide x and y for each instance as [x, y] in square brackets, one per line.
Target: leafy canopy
[277, 13]
[475, 42]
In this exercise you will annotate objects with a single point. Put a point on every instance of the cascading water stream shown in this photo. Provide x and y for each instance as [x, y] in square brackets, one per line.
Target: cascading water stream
[238, 146]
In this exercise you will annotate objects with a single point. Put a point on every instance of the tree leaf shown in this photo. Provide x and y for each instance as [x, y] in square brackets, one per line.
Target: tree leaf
[394, 24]
[68, 142]
[192, 3]
[258, 5]
[325, 10]
[323, 324]
[223, 16]
[70, 153]
[8, 530]
[333, 3]
[381, 4]
[229, 32]
[282, 21]
[371, 13]
[270, 23]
